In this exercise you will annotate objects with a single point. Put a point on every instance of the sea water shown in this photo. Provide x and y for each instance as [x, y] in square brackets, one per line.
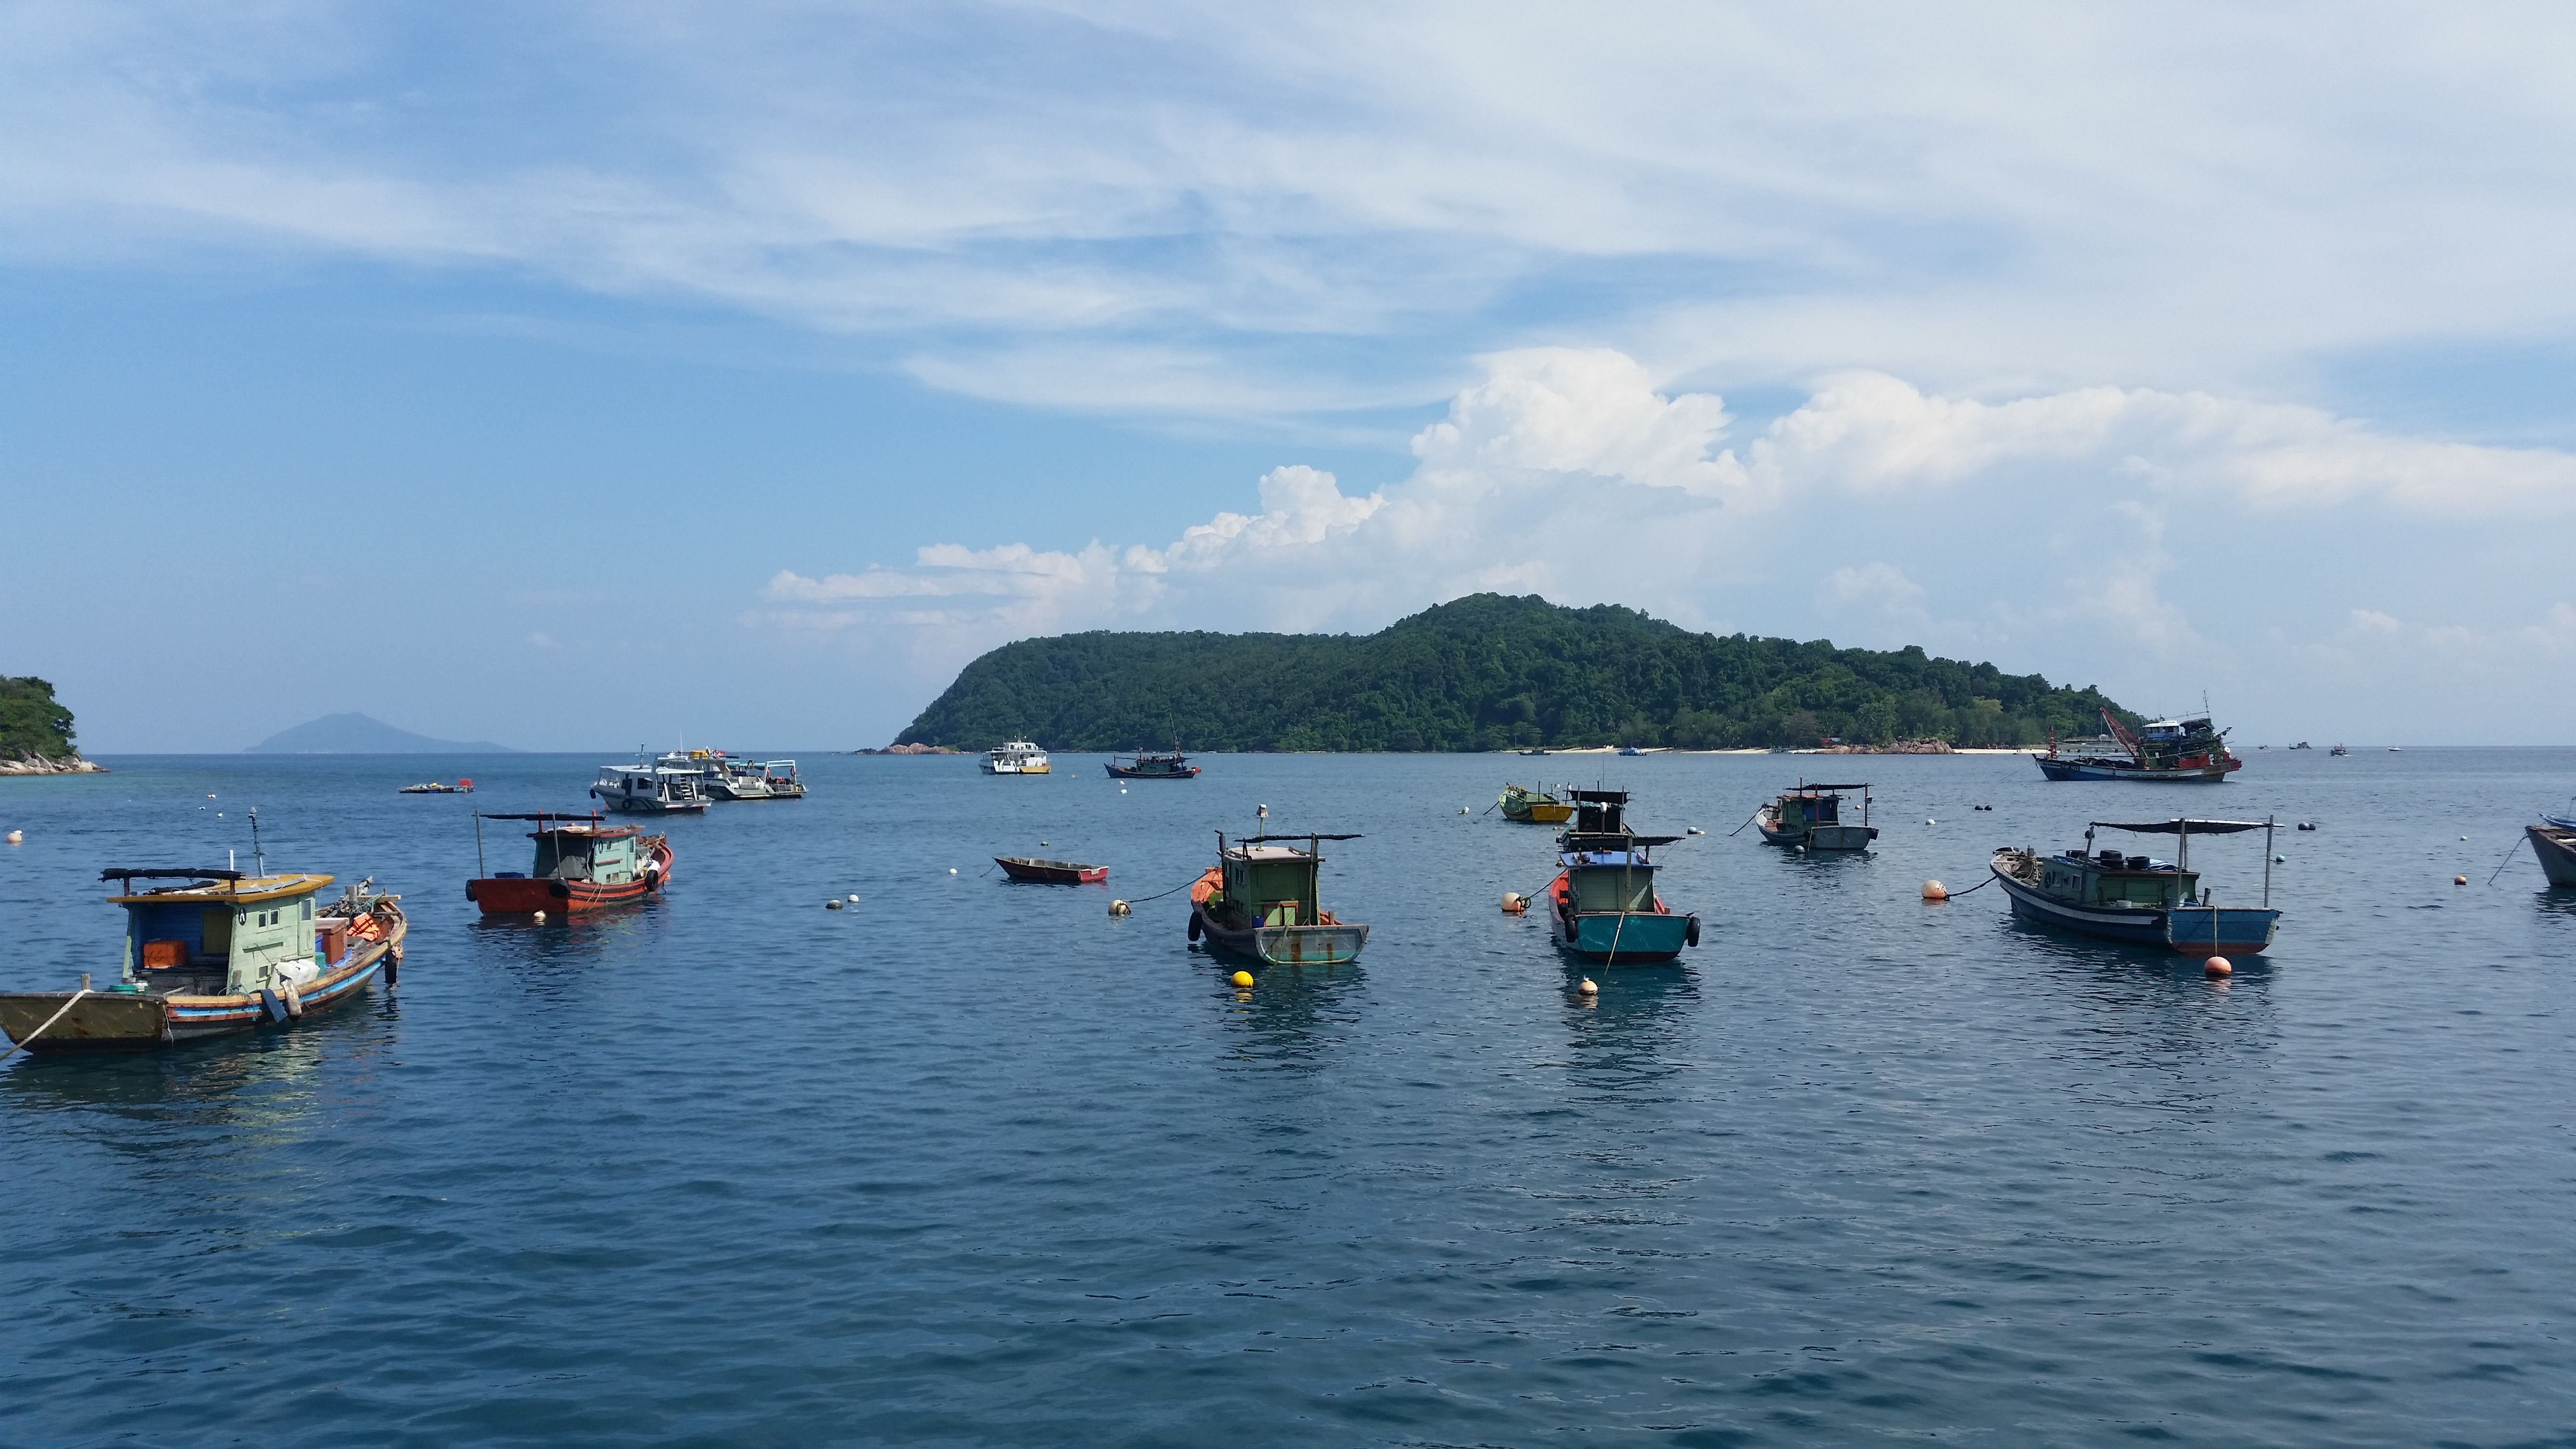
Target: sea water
[971, 1162]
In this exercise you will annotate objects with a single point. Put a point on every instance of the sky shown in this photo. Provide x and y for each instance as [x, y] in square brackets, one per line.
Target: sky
[587, 376]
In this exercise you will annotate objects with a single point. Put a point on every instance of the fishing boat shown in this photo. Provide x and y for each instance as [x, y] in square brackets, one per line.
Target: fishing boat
[2137, 898]
[2554, 841]
[433, 787]
[1811, 815]
[1016, 757]
[650, 789]
[216, 952]
[1533, 807]
[1262, 899]
[581, 864]
[780, 780]
[2303, 745]
[2338, 750]
[1602, 906]
[2186, 750]
[1172, 765]
[1050, 872]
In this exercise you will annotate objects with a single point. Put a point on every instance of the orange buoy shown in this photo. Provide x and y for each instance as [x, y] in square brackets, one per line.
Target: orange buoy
[1933, 890]
[1589, 987]
[2217, 966]
[1514, 903]
[2459, 880]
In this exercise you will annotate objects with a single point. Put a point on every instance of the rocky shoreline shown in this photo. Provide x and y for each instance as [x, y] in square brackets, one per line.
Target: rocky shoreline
[47, 765]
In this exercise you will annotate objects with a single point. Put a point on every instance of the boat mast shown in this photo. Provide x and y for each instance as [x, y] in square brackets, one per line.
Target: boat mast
[2267, 862]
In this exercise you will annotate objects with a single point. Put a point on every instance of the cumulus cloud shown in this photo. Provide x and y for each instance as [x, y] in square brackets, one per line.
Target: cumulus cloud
[2038, 525]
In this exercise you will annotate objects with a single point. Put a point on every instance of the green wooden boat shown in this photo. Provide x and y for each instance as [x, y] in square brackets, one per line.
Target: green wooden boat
[1261, 899]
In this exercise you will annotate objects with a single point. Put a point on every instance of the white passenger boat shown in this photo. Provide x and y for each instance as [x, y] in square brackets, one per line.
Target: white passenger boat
[642, 789]
[1018, 757]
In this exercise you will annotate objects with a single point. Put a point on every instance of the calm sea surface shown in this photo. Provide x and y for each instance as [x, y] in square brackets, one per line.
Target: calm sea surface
[975, 1163]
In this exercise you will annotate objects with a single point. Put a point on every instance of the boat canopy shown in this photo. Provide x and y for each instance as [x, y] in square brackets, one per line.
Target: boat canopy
[1820, 786]
[2177, 827]
[1300, 835]
[125, 873]
[1599, 797]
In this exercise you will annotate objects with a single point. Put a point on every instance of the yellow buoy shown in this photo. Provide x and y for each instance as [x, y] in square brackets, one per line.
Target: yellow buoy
[1119, 908]
[1243, 978]
[1933, 890]
[2218, 966]
[831, 905]
[2459, 880]
[1589, 987]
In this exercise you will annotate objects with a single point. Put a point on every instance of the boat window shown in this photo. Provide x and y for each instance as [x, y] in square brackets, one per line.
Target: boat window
[1602, 890]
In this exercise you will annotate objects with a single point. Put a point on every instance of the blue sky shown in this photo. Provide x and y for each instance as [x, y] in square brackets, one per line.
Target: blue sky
[580, 376]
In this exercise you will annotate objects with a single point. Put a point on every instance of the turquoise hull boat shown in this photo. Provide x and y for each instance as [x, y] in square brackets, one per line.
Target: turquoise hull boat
[1628, 938]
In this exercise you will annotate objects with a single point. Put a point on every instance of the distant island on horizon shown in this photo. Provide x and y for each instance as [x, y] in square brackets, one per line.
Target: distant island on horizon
[358, 734]
[1489, 672]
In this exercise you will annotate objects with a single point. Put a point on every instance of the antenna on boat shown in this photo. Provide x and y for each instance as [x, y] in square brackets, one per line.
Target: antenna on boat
[258, 857]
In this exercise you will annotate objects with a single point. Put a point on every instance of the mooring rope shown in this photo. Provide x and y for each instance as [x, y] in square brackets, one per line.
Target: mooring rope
[49, 1021]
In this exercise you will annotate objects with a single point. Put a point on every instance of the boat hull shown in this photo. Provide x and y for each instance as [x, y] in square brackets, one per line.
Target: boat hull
[1185, 772]
[2078, 769]
[1334, 945]
[1821, 837]
[1051, 872]
[1633, 938]
[113, 1021]
[2557, 852]
[1539, 814]
[519, 895]
[2188, 930]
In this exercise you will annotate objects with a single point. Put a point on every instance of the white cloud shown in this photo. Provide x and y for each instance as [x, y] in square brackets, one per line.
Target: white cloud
[1990, 202]
[2040, 531]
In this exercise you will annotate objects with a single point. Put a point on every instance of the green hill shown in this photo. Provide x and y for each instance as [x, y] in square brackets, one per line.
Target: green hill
[1481, 673]
[31, 722]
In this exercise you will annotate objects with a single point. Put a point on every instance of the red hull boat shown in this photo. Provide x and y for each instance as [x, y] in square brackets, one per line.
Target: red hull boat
[581, 865]
[1051, 872]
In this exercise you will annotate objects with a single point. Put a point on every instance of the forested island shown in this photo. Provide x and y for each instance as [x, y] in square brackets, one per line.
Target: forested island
[1488, 672]
[36, 730]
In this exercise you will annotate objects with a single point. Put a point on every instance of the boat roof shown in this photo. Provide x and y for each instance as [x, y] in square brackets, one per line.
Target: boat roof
[1804, 788]
[2177, 827]
[1577, 837]
[1602, 859]
[1599, 797]
[227, 886]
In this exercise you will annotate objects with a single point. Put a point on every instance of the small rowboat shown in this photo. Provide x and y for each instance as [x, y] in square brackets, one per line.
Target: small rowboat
[1051, 872]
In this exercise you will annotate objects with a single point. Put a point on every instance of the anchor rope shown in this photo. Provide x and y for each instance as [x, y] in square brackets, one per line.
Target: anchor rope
[49, 1021]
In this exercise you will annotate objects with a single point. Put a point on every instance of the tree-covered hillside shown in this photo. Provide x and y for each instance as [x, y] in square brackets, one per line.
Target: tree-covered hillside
[31, 723]
[1486, 672]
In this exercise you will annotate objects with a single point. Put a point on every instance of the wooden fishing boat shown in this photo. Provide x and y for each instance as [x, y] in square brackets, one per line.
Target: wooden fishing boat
[1534, 807]
[433, 787]
[1261, 900]
[1602, 906]
[1172, 765]
[2176, 750]
[1811, 815]
[2554, 841]
[2136, 898]
[223, 951]
[650, 789]
[1050, 872]
[581, 864]
[2338, 750]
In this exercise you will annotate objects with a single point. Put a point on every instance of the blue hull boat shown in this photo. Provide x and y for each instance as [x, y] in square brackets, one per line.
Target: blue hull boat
[2138, 899]
[1602, 906]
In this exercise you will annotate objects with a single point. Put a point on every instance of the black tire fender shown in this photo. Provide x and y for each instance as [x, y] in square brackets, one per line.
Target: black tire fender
[1690, 933]
[1194, 925]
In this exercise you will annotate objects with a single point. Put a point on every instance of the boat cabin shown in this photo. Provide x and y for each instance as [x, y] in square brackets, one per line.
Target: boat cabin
[2109, 878]
[1264, 883]
[222, 932]
[575, 847]
[1604, 860]
[1809, 806]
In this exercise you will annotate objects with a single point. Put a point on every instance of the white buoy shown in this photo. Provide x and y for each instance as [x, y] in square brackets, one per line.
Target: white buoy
[854, 898]
[1119, 908]
[541, 918]
[831, 905]
[952, 870]
[1933, 890]
[1695, 830]
[17, 837]
[1928, 820]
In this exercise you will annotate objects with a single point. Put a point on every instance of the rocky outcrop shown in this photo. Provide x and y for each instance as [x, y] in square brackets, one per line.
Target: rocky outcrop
[911, 750]
[45, 765]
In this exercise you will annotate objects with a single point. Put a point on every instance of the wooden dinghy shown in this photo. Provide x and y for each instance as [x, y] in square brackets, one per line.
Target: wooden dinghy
[1050, 872]
[1533, 807]
[1260, 900]
[2555, 844]
[225, 951]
